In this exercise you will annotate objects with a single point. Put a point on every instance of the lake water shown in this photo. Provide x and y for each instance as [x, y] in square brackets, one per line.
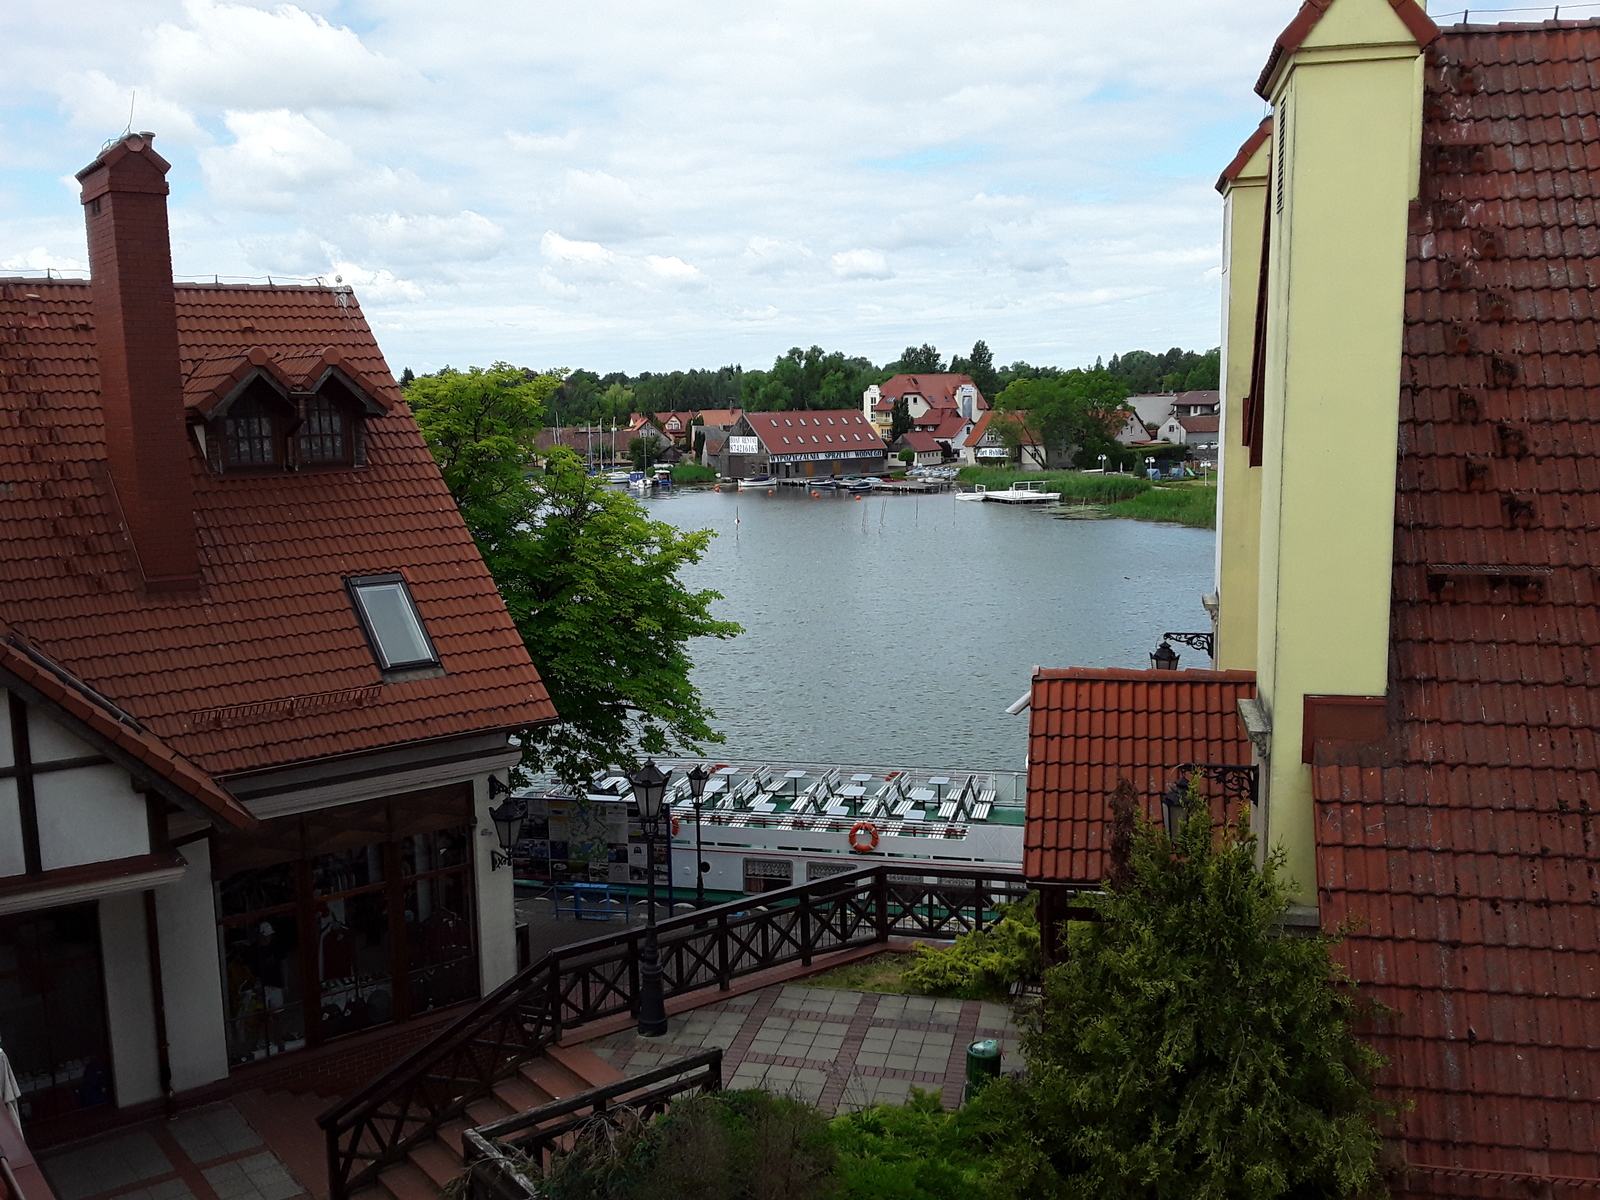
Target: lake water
[894, 630]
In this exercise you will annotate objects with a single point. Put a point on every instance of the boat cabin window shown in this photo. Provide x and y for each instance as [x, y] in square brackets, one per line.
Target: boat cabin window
[767, 874]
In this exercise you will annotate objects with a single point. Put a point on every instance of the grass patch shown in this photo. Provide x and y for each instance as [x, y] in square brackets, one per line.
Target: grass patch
[1073, 485]
[693, 472]
[880, 973]
[1193, 506]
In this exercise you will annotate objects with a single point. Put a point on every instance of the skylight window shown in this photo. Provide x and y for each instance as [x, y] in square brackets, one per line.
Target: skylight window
[391, 622]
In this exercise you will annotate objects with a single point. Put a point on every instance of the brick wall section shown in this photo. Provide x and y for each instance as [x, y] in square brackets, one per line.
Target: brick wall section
[141, 388]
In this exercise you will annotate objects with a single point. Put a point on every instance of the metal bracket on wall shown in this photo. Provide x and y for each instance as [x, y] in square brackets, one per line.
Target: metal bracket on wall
[1200, 641]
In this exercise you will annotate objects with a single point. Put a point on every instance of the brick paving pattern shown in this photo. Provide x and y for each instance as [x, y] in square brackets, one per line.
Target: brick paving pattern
[209, 1154]
[839, 1049]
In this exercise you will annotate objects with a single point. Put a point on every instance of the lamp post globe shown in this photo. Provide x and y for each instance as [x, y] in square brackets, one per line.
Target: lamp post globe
[649, 791]
[697, 789]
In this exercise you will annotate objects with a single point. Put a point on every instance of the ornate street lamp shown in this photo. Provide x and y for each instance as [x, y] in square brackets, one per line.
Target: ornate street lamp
[649, 790]
[1173, 801]
[697, 788]
[1164, 657]
[508, 819]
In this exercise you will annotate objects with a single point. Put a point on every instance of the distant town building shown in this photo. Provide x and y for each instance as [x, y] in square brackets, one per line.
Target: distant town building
[946, 392]
[802, 445]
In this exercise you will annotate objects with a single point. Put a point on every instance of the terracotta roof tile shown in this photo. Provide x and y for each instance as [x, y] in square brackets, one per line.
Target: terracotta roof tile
[267, 664]
[1089, 727]
[1466, 860]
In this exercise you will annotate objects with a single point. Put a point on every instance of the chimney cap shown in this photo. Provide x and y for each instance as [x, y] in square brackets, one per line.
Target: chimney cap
[114, 153]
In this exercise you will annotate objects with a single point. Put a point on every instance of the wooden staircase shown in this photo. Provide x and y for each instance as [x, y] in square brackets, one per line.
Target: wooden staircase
[562, 1071]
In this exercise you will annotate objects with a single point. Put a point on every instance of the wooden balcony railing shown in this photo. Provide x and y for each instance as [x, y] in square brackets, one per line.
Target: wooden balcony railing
[404, 1106]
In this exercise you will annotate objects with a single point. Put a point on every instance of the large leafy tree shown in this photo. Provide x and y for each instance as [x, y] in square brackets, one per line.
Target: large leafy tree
[589, 580]
[1190, 1046]
[1076, 410]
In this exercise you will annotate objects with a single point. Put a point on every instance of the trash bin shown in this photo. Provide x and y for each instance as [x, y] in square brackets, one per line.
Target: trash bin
[983, 1064]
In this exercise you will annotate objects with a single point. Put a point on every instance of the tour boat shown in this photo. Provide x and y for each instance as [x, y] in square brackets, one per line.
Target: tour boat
[764, 826]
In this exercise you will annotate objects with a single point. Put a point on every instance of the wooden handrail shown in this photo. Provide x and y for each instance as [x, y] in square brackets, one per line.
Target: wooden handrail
[405, 1104]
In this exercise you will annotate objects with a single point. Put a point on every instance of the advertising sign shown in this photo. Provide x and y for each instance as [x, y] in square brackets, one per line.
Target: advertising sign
[744, 445]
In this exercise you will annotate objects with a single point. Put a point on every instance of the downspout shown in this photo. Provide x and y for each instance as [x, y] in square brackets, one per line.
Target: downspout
[158, 1000]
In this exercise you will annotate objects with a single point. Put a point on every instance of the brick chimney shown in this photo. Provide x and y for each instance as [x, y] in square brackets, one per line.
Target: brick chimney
[136, 327]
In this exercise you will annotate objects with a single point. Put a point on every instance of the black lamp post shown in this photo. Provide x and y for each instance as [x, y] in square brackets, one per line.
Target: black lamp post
[1164, 657]
[1173, 802]
[697, 788]
[649, 790]
[507, 818]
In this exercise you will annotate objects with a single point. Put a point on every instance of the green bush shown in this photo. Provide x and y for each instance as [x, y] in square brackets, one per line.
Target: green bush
[983, 964]
[692, 472]
[915, 1152]
[745, 1145]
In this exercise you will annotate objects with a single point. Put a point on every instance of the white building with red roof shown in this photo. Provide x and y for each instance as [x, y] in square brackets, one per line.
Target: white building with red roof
[258, 685]
[945, 392]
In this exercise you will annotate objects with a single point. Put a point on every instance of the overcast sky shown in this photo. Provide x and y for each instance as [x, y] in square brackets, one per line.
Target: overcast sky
[632, 185]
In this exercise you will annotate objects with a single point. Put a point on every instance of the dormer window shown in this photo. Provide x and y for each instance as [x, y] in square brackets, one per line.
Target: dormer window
[394, 628]
[325, 433]
[251, 435]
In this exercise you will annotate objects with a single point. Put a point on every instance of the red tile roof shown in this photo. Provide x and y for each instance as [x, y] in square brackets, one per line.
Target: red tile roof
[1246, 152]
[1295, 33]
[25, 670]
[808, 432]
[920, 441]
[1200, 424]
[1087, 727]
[266, 664]
[938, 390]
[1466, 848]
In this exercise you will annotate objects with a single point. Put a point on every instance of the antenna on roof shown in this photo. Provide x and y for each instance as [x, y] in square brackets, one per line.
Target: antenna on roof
[133, 96]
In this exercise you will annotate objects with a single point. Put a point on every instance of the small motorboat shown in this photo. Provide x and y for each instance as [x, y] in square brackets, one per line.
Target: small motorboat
[978, 492]
[825, 483]
[763, 483]
[856, 485]
[616, 477]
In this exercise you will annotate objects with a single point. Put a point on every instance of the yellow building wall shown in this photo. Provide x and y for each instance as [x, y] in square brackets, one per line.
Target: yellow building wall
[1244, 204]
[1347, 109]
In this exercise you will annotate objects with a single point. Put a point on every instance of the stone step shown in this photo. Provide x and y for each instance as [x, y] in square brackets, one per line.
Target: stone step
[408, 1182]
[585, 1064]
[437, 1161]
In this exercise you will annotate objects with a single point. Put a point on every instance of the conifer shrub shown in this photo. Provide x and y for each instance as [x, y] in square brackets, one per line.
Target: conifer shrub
[982, 964]
[1190, 1045]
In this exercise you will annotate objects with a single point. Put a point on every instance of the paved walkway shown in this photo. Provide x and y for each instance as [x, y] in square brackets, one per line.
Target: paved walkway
[842, 1050]
[211, 1153]
[837, 1049]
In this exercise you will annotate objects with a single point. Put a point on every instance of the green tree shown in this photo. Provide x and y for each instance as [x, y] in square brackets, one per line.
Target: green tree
[981, 367]
[920, 360]
[482, 425]
[907, 456]
[590, 582]
[1190, 1046]
[1076, 410]
[406, 377]
[899, 418]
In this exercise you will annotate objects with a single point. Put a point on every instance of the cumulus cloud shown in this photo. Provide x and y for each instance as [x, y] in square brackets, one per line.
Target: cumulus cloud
[40, 259]
[626, 186]
[239, 56]
[275, 157]
[860, 264]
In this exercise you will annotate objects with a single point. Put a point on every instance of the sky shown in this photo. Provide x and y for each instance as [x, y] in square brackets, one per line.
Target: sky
[623, 185]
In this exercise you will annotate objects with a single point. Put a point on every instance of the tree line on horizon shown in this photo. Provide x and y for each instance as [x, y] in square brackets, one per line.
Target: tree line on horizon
[816, 379]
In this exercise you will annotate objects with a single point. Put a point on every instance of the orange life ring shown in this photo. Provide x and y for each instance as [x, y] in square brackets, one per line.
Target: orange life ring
[870, 843]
